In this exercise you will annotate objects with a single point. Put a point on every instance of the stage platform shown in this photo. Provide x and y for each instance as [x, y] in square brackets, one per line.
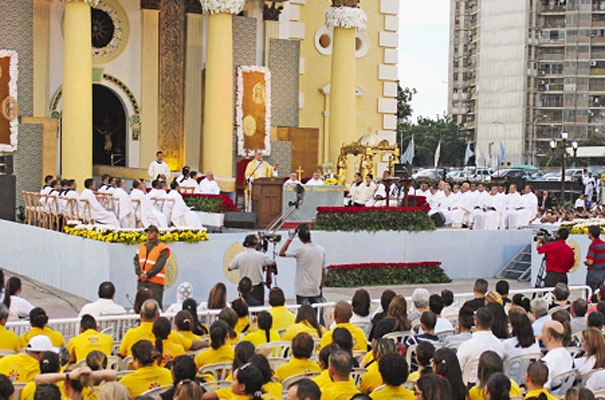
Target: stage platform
[78, 265]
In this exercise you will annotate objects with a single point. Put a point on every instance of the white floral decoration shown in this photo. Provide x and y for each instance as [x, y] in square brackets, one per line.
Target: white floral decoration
[239, 111]
[346, 17]
[13, 73]
[222, 6]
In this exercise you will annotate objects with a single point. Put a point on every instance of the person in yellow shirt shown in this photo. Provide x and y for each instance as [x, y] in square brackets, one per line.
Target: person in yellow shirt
[341, 387]
[219, 350]
[497, 387]
[342, 316]
[230, 317]
[183, 322]
[88, 340]
[247, 383]
[243, 321]
[23, 367]
[265, 333]
[304, 389]
[38, 320]
[8, 339]
[394, 372]
[148, 374]
[302, 349]
[372, 378]
[489, 363]
[306, 321]
[324, 361]
[168, 349]
[48, 363]
[535, 378]
[424, 354]
[282, 317]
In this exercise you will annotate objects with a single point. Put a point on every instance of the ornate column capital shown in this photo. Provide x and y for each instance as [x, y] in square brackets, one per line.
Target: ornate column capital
[93, 3]
[346, 14]
[222, 6]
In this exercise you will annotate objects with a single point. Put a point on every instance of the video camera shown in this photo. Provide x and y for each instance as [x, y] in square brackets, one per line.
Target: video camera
[546, 236]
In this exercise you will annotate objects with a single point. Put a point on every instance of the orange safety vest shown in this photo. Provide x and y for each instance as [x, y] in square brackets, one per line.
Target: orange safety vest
[147, 261]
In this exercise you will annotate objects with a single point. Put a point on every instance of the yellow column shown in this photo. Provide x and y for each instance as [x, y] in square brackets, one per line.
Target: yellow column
[217, 154]
[343, 127]
[150, 94]
[76, 132]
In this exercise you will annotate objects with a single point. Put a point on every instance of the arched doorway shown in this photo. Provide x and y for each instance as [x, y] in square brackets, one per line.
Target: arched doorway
[109, 127]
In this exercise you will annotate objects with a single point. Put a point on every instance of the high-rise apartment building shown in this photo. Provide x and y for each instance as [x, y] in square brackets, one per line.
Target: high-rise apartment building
[521, 71]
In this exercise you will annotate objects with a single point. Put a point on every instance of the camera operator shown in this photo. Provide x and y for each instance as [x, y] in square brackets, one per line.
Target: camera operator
[251, 263]
[310, 266]
[559, 257]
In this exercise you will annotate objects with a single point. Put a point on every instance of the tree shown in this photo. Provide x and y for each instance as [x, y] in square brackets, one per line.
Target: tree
[404, 100]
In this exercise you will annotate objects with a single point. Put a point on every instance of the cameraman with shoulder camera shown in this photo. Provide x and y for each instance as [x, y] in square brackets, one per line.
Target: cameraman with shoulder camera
[559, 257]
[251, 263]
[310, 266]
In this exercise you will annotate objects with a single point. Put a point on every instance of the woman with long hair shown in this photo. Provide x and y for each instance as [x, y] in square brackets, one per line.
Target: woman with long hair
[445, 363]
[523, 340]
[564, 318]
[497, 387]
[264, 334]
[230, 318]
[219, 349]
[490, 363]
[372, 378]
[145, 360]
[184, 322]
[168, 349]
[242, 311]
[500, 325]
[16, 304]
[143, 294]
[361, 303]
[433, 387]
[593, 351]
[248, 382]
[198, 328]
[396, 319]
[306, 321]
[217, 297]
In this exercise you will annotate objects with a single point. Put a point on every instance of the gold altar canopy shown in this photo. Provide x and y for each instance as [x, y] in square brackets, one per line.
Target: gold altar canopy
[368, 155]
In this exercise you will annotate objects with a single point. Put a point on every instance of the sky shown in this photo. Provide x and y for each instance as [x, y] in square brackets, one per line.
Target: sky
[423, 54]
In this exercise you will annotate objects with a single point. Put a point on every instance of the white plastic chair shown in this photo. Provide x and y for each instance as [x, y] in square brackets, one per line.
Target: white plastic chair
[443, 334]
[276, 362]
[215, 385]
[366, 327]
[220, 371]
[599, 394]
[398, 337]
[275, 349]
[356, 375]
[563, 381]
[18, 389]
[286, 383]
[471, 365]
[516, 366]
[156, 391]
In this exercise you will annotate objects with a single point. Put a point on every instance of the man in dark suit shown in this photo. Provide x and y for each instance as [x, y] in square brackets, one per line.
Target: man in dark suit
[545, 201]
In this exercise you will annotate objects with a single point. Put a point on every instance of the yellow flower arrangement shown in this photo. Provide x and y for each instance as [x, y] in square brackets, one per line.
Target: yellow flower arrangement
[580, 226]
[107, 234]
[331, 181]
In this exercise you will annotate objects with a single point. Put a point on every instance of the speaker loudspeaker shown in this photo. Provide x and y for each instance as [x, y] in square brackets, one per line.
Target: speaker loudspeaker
[244, 220]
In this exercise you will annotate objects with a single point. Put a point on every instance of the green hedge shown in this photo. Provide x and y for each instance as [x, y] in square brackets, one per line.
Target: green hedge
[384, 276]
[373, 220]
[205, 203]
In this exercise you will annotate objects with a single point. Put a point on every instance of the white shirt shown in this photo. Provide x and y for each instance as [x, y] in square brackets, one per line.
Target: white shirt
[315, 182]
[584, 364]
[209, 187]
[157, 168]
[558, 361]
[511, 349]
[450, 311]
[20, 307]
[596, 381]
[250, 263]
[441, 325]
[473, 348]
[102, 307]
[537, 325]
[310, 264]
[291, 182]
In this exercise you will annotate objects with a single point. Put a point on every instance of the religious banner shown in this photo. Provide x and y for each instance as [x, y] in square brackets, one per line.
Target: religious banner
[253, 110]
[9, 109]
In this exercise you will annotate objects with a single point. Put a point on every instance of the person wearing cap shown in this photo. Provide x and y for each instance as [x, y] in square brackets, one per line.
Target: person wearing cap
[23, 367]
[105, 304]
[88, 340]
[150, 264]
[558, 359]
[8, 339]
[38, 320]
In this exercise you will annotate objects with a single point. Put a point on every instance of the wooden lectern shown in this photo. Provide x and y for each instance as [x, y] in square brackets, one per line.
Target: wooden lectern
[266, 199]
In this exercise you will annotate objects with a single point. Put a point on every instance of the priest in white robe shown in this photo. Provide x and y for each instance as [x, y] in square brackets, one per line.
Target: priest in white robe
[180, 214]
[462, 214]
[364, 193]
[97, 212]
[208, 185]
[482, 203]
[124, 210]
[148, 213]
[525, 211]
[158, 169]
[69, 200]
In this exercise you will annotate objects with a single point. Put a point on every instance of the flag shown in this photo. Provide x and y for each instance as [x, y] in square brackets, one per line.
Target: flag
[408, 156]
[468, 153]
[501, 155]
[437, 154]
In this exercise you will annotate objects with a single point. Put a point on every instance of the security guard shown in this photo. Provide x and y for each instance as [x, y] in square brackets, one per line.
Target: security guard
[150, 264]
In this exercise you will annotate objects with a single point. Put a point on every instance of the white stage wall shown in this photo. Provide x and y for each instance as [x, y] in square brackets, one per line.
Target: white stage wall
[78, 265]
[578, 276]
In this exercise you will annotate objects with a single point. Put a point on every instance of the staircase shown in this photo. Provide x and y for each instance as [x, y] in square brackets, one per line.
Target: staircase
[519, 267]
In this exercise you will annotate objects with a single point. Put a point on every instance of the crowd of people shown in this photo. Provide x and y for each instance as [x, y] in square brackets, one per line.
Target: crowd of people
[431, 349]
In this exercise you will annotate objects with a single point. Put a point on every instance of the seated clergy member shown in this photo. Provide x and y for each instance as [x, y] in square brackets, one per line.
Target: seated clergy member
[180, 214]
[97, 212]
[88, 340]
[208, 185]
[302, 349]
[341, 387]
[38, 320]
[105, 304]
[125, 211]
[342, 316]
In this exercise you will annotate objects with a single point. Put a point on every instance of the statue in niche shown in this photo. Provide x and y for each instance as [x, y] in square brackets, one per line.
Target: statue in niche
[106, 130]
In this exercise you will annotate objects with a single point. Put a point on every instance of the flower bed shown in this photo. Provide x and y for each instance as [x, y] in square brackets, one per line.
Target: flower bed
[378, 274]
[580, 226]
[107, 234]
[373, 219]
[215, 203]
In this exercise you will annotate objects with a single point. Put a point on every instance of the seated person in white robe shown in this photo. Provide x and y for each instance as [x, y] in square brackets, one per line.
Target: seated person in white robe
[192, 182]
[462, 212]
[180, 215]
[522, 214]
[447, 204]
[149, 214]
[358, 180]
[124, 210]
[364, 193]
[292, 180]
[108, 184]
[158, 194]
[488, 217]
[315, 180]
[381, 194]
[481, 203]
[513, 200]
[208, 185]
[97, 212]
[69, 199]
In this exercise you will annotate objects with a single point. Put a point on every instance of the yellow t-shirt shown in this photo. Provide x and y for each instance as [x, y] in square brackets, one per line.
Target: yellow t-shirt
[371, 379]
[80, 346]
[170, 351]
[260, 337]
[339, 390]
[360, 342]
[243, 325]
[146, 378]
[133, 335]
[296, 366]
[233, 341]
[181, 339]
[389, 392]
[414, 376]
[476, 392]
[9, 340]
[55, 337]
[322, 379]
[536, 393]
[273, 390]
[19, 367]
[368, 359]
[189, 335]
[282, 317]
[224, 353]
[29, 391]
[303, 326]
